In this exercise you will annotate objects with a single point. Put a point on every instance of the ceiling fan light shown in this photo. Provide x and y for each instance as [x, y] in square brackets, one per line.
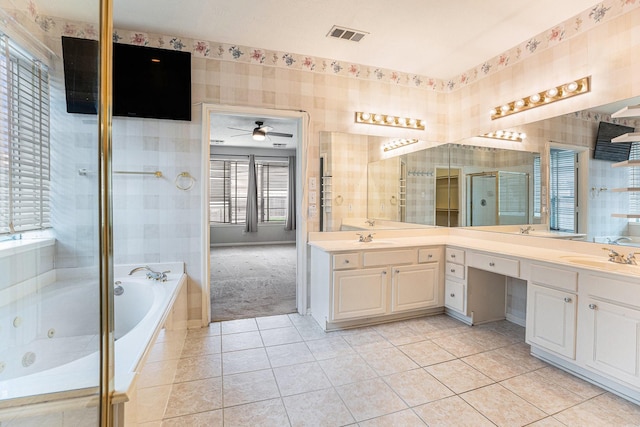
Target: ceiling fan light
[258, 135]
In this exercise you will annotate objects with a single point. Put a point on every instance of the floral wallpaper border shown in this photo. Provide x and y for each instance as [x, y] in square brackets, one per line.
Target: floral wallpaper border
[596, 117]
[604, 11]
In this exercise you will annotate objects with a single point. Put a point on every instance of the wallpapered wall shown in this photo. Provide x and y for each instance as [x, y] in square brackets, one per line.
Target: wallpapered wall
[604, 49]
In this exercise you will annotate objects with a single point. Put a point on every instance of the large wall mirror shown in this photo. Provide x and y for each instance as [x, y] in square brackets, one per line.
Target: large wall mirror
[455, 185]
[478, 185]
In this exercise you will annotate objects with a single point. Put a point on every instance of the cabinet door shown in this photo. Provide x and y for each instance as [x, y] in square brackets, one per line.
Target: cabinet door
[612, 333]
[454, 297]
[551, 320]
[359, 293]
[414, 287]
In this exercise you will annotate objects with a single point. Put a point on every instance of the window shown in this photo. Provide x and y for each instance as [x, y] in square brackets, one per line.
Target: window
[228, 190]
[563, 190]
[24, 141]
[537, 184]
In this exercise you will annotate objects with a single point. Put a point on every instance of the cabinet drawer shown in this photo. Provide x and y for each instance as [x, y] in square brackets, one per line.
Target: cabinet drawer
[454, 270]
[345, 261]
[454, 295]
[372, 259]
[455, 255]
[556, 277]
[506, 266]
[428, 255]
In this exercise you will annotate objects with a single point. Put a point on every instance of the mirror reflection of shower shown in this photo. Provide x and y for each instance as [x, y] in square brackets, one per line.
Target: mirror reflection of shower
[497, 198]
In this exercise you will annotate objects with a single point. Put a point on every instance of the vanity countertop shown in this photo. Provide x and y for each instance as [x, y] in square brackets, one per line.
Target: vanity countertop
[495, 243]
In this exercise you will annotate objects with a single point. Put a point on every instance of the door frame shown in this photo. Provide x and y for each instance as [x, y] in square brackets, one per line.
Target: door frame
[302, 118]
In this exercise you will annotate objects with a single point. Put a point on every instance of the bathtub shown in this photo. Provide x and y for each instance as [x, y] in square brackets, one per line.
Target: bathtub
[60, 354]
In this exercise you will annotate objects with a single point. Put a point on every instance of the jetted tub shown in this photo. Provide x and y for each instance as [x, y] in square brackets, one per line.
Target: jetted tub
[49, 334]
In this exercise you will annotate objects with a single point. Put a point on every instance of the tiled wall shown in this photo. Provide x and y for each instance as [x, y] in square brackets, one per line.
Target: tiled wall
[347, 165]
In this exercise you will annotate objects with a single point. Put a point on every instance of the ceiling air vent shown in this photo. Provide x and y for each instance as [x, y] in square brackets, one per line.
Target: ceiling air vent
[346, 33]
[279, 145]
[217, 141]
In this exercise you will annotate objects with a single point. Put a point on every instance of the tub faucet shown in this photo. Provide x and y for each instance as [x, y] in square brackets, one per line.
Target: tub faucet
[153, 275]
[371, 222]
[619, 239]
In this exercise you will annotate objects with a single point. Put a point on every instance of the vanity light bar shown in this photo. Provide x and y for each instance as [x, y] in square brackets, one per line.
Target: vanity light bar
[506, 135]
[397, 143]
[557, 93]
[390, 120]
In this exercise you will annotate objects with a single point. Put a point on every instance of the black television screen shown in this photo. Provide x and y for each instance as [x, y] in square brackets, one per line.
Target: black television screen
[147, 82]
[150, 82]
[80, 60]
[612, 151]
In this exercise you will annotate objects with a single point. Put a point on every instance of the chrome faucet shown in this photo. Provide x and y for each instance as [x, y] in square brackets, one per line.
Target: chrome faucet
[616, 257]
[618, 240]
[367, 238]
[371, 222]
[153, 275]
[631, 258]
[525, 230]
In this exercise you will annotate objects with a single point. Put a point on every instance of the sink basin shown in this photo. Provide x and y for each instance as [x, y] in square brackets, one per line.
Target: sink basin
[589, 262]
[600, 263]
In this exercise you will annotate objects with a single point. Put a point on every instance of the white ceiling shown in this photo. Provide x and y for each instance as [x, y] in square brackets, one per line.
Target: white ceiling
[433, 38]
[221, 125]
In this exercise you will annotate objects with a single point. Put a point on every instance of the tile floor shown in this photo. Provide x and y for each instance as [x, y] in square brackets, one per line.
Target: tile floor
[284, 370]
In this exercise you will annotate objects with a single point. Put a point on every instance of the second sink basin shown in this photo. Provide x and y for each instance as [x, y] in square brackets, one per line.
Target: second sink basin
[600, 263]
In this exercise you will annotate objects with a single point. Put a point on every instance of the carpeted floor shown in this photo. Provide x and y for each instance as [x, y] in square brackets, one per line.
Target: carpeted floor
[252, 281]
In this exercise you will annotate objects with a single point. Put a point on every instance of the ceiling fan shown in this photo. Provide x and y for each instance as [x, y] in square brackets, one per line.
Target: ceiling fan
[261, 131]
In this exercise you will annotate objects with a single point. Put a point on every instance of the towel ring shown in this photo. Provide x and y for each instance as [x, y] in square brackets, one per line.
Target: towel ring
[394, 200]
[180, 178]
[339, 200]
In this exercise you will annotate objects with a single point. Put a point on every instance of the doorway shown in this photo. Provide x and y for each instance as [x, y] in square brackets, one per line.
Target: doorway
[256, 272]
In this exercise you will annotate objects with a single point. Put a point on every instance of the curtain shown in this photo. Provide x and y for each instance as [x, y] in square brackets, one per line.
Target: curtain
[251, 224]
[291, 195]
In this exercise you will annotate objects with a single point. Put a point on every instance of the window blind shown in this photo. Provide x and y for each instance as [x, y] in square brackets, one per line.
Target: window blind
[24, 141]
[536, 187]
[563, 190]
[228, 190]
[634, 180]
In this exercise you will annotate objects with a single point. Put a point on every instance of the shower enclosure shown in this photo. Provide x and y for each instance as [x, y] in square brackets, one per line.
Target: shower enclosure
[55, 224]
[497, 198]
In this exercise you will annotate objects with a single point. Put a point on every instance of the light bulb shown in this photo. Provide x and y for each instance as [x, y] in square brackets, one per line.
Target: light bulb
[412, 122]
[523, 135]
[493, 112]
[507, 134]
[389, 119]
[535, 97]
[423, 123]
[505, 108]
[552, 92]
[365, 116]
[377, 118]
[519, 103]
[572, 87]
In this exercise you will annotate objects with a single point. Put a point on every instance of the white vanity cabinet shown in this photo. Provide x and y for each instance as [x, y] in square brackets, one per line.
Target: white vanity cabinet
[368, 286]
[552, 309]
[455, 284]
[609, 328]
[359, 293]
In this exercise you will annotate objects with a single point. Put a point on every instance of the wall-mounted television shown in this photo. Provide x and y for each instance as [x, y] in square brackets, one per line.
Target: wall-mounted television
[612, 151]
[147, 82]
[80, 60]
